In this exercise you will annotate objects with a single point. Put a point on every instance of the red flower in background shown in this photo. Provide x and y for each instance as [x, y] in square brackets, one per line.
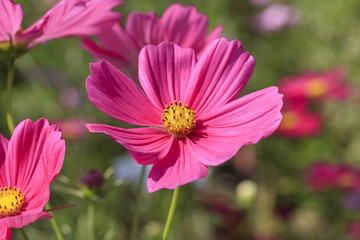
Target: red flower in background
[325, 85]
[323, 176]
[299, 121]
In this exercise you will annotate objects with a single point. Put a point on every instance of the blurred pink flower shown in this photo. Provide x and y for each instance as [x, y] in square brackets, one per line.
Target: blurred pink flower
[321, 176]
[184, 26]
[195, 119]
[326, 85]
[354, 230]
[29, 162]
[347, 177]
[276, 17]
[72, 128]
[66, 19]
[298, 121]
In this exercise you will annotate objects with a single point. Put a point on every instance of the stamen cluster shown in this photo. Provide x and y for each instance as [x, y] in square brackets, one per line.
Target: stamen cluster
[178, 119]
[11, 201]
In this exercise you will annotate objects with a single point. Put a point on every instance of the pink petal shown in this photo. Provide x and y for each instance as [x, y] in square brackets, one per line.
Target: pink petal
[184, 26]
[100, 53]
[11, 15]
[36, 190]
[115, 46]
[19, 221]
[164, 72]
[144, 28]
[220, 75]
[4, 143]
[180, 166]
[5, 232]
[118, 96]
[242, 122]
[76, 18]
[146, 145]
[30, 143]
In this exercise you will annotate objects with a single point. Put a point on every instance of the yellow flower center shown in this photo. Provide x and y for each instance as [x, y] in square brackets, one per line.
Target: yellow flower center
[316, 88]
[11, 201]
[289, 121]
[178, 119]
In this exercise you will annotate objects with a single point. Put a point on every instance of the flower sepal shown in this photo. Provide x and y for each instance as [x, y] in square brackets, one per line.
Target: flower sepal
[9, 51]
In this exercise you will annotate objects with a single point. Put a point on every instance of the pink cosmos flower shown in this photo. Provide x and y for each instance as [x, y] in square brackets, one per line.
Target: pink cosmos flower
[191, 109]
[29, 162]
[184, 26]
[326, 85]
[66, 19]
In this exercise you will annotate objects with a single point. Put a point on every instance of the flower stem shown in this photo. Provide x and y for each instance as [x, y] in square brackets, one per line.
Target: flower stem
[10, 82]
[90, 220]
[23, 234]
[135, 221]
[171, 213]
[55, 226]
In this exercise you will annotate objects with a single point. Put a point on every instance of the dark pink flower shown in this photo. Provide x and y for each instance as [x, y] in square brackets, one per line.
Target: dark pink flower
[195, 119]
[321, 176]
[29, 162]
[311, 85]
[353, 230]
[347, 177]
[66, 19]
[298, 121]
[184, 26]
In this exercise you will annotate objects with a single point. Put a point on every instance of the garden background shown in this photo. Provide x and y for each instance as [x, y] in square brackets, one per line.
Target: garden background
[265, 191]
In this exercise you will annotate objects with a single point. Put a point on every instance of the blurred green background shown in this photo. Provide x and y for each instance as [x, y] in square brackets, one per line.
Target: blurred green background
[50, 82]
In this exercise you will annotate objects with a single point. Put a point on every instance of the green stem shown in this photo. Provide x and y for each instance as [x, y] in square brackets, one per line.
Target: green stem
[23, 234]
[90, 220]
[10, 82]
[135, 221]
[56, 228]
[171, 213]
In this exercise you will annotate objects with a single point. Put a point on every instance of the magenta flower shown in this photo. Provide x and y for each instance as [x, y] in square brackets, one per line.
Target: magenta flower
[353, 230]
[311, 85]
[29, 162]
[321, 176]
[66, 19]
[195, 119]
[184, 26]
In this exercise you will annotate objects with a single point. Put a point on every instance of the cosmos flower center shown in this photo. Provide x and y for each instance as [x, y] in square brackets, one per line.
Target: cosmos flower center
[178, 119]
[316, 88]
[11, 201]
